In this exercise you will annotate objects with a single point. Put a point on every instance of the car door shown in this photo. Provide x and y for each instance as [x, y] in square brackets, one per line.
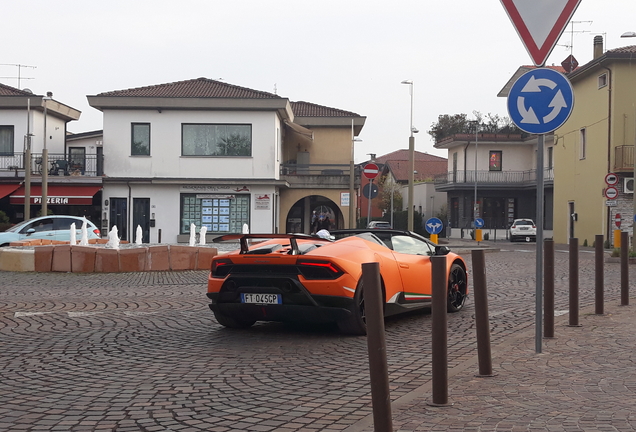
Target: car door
[62, 226]
[38, 229]
[413, 257]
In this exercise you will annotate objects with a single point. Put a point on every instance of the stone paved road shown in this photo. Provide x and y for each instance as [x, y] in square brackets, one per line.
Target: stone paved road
[142, 352]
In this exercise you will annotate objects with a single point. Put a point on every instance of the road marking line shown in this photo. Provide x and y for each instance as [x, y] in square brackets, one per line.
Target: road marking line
[81, 314]
[21, 314]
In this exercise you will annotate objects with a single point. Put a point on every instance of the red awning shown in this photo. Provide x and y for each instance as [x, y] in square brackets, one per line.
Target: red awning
[58, 195]
[6, 189]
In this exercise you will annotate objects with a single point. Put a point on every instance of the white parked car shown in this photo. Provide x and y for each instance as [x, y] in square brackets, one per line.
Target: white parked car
[523, 229]
[53, 227]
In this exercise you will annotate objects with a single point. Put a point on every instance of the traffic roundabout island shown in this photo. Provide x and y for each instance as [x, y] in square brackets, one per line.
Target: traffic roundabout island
[33, 256]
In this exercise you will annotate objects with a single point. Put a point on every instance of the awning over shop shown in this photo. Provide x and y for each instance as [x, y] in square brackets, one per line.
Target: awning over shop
[58, 195]
[6, 189]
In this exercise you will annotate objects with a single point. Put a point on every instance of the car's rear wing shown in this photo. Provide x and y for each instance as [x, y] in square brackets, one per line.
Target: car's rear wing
[293, 239]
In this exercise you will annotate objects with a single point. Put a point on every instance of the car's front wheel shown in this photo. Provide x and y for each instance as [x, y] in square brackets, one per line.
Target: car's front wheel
[232, 322]
[457, 288]
[356, 324]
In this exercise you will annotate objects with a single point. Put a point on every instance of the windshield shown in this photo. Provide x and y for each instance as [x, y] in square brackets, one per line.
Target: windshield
[18, 227]
[523, 222]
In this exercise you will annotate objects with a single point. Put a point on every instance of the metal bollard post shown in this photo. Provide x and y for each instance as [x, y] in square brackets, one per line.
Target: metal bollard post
[439, 330]
[482, 324]
[624, 269]
[574, 282]
[376, 343]
[598, 275]
[548, 288]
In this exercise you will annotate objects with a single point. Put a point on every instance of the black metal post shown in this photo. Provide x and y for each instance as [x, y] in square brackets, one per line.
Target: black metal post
[548, 288]
[439, 331]
[624, 268]
[574, 282]
[376, 343]
[482, 324]
[598, 274]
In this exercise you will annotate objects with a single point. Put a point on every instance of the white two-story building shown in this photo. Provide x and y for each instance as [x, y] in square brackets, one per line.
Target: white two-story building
[220, 156]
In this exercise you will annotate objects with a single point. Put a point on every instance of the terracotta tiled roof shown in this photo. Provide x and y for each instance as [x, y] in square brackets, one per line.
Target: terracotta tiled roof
[424, 170]
[403, 154]
[631, 49]
[307, 109]
[553, 67]
[195, 88]
[6, 90]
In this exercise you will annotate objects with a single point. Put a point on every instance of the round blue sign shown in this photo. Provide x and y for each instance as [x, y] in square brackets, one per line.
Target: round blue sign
[479, 223]
[434, 226]
[540, 101]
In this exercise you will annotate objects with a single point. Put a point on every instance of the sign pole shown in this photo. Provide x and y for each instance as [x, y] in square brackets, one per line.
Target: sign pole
[370, 194]
[539, 241]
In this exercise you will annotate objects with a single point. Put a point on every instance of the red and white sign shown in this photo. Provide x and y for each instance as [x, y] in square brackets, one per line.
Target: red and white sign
[617, 220]
[611, 179]
[371, 171]
[611, 192]
[540, 23]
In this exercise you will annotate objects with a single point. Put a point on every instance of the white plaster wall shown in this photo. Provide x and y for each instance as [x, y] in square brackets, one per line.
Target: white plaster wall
[54, 127]
[165, 158]
[166, 205]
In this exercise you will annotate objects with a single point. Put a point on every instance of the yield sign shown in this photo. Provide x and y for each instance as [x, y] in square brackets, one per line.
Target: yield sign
[540, 23]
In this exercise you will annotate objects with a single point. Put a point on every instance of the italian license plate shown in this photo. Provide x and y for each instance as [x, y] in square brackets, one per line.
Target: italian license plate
[524, 228]
[261, 298]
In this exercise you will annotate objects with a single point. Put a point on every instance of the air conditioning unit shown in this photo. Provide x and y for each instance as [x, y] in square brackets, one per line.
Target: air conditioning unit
[628, 185]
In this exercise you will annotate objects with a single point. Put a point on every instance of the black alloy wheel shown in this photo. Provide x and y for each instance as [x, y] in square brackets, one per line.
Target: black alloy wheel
[457, 288]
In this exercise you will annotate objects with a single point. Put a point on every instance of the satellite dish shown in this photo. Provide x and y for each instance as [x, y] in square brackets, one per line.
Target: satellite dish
[27, 90]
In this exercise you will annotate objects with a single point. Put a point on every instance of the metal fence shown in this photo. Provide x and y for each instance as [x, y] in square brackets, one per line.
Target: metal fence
[494, 177]
[57, 164]
[315, 169]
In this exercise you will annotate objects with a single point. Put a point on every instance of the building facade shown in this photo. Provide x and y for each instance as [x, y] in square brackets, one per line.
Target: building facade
[205, 153]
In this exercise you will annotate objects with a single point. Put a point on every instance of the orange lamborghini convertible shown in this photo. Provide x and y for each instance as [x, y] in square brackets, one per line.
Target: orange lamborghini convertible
[297, 277]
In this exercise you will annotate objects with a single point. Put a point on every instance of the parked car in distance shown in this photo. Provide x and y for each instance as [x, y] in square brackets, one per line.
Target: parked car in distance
[54, 227]
[379, 225]
[524, 229]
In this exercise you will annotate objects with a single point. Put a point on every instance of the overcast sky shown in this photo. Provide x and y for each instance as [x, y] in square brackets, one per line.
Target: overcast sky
[346, 54]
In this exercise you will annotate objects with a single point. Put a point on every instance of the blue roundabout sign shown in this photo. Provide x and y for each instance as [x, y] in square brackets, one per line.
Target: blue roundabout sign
[540, 101]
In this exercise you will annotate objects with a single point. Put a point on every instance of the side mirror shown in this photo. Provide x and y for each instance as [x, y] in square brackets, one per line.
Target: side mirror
[30, 231]
[441, 250]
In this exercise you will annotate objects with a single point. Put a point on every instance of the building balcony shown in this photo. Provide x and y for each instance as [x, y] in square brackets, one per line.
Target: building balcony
[58, 164]
[328, 176]
[624, 159]
[495, 179]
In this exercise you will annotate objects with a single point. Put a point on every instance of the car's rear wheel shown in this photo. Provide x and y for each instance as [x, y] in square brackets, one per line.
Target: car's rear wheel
[356, 323]
[232, 322]
[457, 288]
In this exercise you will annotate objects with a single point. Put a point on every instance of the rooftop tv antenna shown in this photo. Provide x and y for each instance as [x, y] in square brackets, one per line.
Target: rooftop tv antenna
[19, 66]
[572, 31]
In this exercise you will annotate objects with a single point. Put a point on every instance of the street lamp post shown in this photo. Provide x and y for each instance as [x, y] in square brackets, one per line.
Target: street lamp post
[45, 160]
[352, 200]
[411, 160]
[475, 212]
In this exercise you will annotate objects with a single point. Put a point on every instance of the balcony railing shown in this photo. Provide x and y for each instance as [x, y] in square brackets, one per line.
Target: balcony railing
[314, 169]
[624, 158]
[58, 164]
[493, 177]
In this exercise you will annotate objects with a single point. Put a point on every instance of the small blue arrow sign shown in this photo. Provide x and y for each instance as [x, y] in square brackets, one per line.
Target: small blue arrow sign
[434, 226]
[540, 101]
[479, 223]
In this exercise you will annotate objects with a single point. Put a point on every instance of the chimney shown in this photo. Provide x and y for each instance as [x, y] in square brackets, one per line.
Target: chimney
[598, 46]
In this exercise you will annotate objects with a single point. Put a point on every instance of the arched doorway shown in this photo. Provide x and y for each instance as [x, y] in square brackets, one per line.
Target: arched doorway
[313, 213]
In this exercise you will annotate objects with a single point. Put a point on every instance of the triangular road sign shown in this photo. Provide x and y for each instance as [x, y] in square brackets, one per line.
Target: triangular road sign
[540, 23]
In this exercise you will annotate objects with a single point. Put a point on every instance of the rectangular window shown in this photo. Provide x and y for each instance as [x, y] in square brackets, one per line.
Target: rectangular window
[582, 144]
[216, 140]
[221, 214]
[140, 139]
[602, 80]
[6, 140]
[494, 160]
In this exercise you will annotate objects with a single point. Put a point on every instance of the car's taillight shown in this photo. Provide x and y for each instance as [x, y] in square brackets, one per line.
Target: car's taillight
[314, 269]
[533, 226]
[220, 267]
[97, 232]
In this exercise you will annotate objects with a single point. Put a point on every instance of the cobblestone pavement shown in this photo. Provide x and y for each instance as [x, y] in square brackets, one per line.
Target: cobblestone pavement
[142, 352]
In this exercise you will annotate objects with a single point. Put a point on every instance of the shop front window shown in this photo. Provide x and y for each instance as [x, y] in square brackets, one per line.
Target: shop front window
[220, 214]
